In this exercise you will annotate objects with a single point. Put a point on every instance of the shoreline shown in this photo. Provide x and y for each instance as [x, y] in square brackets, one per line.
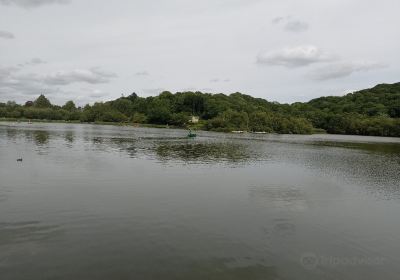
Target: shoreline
[316, 131]
[366, 138]
[197, 128]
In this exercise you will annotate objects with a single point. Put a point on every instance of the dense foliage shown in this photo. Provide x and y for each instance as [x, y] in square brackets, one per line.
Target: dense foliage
[374, 111]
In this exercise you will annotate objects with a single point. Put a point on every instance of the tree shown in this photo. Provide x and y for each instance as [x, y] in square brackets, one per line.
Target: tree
[28, 104]
[69, 106]
[139, 118]
[132, 97]
[159, 111]
[374, 111]
[123, 105]
[42, 102]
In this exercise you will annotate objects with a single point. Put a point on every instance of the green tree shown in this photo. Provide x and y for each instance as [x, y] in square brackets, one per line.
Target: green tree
[42, 102]
[69, 106]
[139, 118]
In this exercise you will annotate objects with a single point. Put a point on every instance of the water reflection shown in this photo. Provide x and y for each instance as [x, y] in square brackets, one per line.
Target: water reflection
[127, 146]
[283, 228]
[220, 269]
[283, 193]
[3, 195]
[69, 137]
[377, 170]
[176, 149]
[378, 148]
[160, 221]
[41, 137]
[29, 231]
[11, 134]
[202, 152]
[374, 164]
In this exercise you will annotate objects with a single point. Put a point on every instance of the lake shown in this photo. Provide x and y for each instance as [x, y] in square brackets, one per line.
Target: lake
[109, 202]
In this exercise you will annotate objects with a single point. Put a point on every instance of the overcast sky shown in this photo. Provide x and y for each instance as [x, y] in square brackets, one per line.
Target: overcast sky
[281, 50]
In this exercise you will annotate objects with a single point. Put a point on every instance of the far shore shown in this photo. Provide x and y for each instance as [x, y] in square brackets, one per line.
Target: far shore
[193, 127]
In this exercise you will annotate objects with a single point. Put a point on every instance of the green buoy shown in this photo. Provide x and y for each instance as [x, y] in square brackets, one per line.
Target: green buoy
[191, 134]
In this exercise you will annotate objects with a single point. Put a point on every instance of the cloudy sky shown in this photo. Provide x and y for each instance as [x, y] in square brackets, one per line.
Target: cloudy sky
[281, 50]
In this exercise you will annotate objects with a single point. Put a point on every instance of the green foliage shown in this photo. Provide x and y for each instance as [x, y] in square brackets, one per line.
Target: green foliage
[179, 119]
[229, 120]
[158, 110]
[261, 121]
[123, 105]
[69, 106]
[139, 118]
[42, 102]
[381, 100]
[374, 111]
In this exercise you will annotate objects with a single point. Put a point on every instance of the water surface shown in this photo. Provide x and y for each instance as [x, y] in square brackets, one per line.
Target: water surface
[106, 202]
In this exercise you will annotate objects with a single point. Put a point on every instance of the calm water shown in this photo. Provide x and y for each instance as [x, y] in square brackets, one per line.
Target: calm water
[104, 202]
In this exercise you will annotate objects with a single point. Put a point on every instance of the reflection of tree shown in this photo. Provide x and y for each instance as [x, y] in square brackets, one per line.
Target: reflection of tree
[203, 151]
[127, 145]
[379, 148]
[69, 137]
[11, 133]
[175, 149]
[41, 137]
[375, 166]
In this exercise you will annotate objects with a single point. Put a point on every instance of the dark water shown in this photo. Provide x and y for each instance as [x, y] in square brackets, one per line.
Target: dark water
[104, 202]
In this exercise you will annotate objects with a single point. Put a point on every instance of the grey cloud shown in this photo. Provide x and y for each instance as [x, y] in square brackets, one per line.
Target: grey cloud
[91, 76]
[142, 73]
[6, 35]
[96, 93]
[32, 3]
[218, 80]
[6, 72]
[33, 62]
[290, 24]
[153, 91]
[278, 20]
[13, 81]
[36, 60]
[92, 94]
[343, 69]
[296, 26]
[138, 33]
[297, 56]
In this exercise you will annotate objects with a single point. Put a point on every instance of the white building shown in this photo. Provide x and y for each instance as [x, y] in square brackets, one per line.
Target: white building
[194, 119]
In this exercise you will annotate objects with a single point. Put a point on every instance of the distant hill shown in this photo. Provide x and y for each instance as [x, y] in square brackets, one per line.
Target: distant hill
[374, 111]
[381, 100]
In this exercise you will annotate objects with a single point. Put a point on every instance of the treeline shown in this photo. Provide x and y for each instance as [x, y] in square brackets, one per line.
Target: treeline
[374, 111]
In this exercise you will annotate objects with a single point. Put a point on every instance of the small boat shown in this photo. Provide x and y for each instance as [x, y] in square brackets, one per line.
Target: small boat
[191, 134]
[19, 159]
[237, 131]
